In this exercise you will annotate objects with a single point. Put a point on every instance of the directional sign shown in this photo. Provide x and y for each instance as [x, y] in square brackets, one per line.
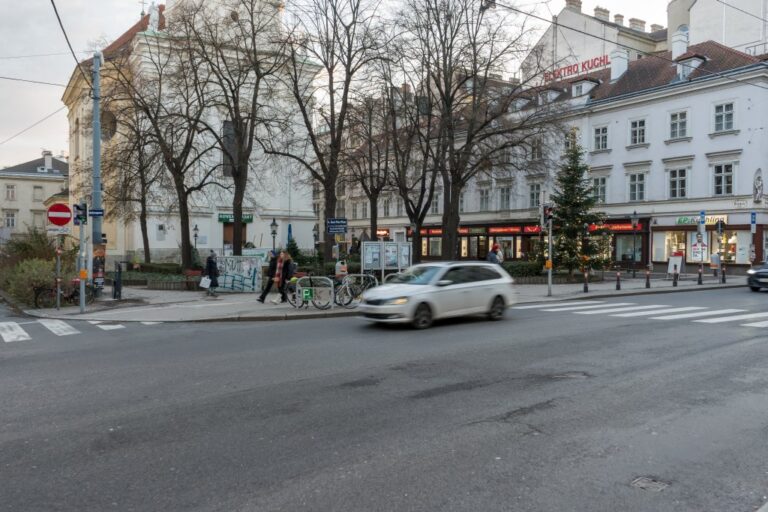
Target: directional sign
[94, 212]
[59, 214]
[336, 226]
[753, 222]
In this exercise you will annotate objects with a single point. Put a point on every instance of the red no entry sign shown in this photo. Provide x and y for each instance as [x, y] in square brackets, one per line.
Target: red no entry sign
[59, 214]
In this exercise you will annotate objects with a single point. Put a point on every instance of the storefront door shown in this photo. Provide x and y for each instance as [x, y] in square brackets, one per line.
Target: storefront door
[229, 232]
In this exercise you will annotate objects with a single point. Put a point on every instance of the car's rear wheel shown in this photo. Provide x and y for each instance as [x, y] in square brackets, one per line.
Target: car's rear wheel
[497, 308]
[754, 288]
[422, 318]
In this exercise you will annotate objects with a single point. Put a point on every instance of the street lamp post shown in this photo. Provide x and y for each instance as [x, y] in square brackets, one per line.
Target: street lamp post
[273, 228]
[195, 232]
[634, 219]
[316, 234]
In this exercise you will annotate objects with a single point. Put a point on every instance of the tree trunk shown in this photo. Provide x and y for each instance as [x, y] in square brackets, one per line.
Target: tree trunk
[416, 244]
[144, 229]
[186, 246]
[237, 211]
[330, 213]
[451, 219]
[374, 200]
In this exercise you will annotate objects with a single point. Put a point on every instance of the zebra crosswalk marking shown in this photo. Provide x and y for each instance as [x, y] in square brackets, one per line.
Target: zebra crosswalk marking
[649, 313]
[756, 324]
[732, 318]
[617, 310]
[560, 304]
[58, 327]
[698, 315]
[110, 327]
[579, 308]
[12, 331]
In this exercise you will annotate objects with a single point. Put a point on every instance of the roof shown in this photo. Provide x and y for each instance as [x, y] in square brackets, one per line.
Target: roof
[658, 70]
[32, 166]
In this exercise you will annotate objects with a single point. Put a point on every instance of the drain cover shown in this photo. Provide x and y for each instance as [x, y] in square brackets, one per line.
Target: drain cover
[648, 483]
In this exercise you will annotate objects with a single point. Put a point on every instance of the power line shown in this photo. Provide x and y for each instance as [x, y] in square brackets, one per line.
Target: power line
[743, 11]
[8, 57]
[30, 81]
[32, 126]
[654, 55]
[63, 30]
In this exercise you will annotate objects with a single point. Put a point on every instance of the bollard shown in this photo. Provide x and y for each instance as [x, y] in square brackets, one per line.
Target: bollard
[647, 278]
[701, 271]
[618, 279]
[586, 281]
[722, 274]
[675, 276]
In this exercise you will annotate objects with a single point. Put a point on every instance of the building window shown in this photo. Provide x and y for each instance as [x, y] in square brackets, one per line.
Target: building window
[38, 219]
[578, 90]
[724, 117]
[723, 179]
[9, 219]
[485, 200]
[10, 192]
[537, 150]
[434, 208]
[354, 210]
[364, 214]
[637, 132]
[677, 183]
[461, 202]
[37, 194]
[535, 195]
[316, 208]
[598, 189]
[637, 187]
[386, 207]
[678, 125]
[601, 138]
[340, 210]
[340, 189]
[400, 207]
[315, 191]
[505, 198]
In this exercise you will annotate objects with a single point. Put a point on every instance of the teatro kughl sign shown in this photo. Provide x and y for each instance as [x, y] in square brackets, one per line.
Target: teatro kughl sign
[577, 69]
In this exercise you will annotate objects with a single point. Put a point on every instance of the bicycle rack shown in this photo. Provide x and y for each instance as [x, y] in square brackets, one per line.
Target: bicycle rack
[314, 283]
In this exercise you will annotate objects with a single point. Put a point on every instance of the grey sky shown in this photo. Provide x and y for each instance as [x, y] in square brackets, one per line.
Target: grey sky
[29, 27]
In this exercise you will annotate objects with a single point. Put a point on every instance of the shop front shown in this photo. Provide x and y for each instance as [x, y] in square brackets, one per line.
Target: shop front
[628, 241]
[515, 241]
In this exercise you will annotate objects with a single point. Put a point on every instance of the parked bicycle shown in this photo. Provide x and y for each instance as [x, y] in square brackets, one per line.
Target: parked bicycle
[45, 296]
[349, 291]
[321, 295]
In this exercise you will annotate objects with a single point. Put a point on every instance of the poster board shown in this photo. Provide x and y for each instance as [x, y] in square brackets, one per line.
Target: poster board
[386, 256]
[675, 261]
[240, 273]
[391, 256]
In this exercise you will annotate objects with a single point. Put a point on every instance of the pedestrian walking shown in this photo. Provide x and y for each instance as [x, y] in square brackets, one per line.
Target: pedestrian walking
[271, 273]
[494, 255]
[285, 273]
[212, 272]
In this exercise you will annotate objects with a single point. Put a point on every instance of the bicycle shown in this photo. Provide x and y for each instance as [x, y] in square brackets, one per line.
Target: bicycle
[351, 288]
[321, 293]
[45, 297]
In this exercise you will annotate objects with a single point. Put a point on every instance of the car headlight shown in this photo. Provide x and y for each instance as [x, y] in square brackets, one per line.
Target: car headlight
[751, 271]
[397, 302]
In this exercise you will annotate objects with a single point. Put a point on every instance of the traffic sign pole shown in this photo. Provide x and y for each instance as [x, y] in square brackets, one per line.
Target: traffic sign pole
[80, 265]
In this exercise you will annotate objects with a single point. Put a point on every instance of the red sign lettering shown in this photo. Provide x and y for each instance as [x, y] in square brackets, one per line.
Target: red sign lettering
[532, 229]
[576, 69]
[504, 230]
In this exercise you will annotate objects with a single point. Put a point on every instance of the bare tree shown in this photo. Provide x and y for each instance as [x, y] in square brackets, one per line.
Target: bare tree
[237, 42]
[455, 51]
[327, 50]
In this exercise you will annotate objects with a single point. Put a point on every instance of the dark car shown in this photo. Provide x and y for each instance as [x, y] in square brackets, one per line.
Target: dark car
[757, 277]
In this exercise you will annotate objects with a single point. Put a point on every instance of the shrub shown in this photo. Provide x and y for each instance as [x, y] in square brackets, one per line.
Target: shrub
[522, 268]
[161, 268]
[28, 275]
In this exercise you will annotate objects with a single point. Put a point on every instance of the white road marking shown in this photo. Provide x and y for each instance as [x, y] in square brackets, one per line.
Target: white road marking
[150, 323]
[618, 310]
[577, 308]
[697, 315]
[94, 322]
[720, 320]
[12, 331]
[649, 313]
[560, 304]
[58, 327]
[756, 324]
[110, 327]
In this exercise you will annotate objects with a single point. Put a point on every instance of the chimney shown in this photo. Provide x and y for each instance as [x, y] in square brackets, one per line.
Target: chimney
[48, 156]
[656, 28]
[619, 63]
[679, 44]
[619, 19]
[637, 24]
[602, 13]
[574, 5]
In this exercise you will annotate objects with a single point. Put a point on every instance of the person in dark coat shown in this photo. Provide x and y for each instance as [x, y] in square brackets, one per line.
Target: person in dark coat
[271, 271]
[494, 255]
[212, 272]
[286, 273]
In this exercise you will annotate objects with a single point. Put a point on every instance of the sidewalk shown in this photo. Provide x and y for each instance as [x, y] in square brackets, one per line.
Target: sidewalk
[142, 305]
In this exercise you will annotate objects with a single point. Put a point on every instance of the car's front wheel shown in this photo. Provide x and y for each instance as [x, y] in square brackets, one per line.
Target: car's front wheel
[422, 317]
[754, 288]
[497, 308]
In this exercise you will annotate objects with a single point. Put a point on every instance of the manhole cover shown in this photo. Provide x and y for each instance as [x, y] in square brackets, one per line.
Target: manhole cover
[648, 483]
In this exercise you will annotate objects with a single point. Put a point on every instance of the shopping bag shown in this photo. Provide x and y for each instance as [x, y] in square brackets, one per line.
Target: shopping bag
[205, 282]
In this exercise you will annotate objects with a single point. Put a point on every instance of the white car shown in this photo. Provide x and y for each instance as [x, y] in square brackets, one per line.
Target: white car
[432, 291]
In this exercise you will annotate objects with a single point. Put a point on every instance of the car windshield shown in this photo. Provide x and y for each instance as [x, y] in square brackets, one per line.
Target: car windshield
[416, 275]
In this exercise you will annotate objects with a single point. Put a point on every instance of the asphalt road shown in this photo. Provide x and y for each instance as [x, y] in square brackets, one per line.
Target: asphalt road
[544, 411]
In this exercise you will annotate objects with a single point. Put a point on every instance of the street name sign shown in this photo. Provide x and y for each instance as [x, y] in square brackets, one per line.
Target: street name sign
[94, 212]
[336, 226]
[59, 214]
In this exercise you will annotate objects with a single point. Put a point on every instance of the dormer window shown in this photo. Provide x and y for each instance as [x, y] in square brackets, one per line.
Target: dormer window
[578, 90]
[686, 65]
[582, 87]
[548, 96]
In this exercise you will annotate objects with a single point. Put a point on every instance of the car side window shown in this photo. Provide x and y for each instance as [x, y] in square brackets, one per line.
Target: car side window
[485, 274]
[455, 275]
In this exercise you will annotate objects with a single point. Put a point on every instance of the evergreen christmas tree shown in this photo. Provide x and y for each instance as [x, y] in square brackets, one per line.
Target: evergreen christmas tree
[574, 204]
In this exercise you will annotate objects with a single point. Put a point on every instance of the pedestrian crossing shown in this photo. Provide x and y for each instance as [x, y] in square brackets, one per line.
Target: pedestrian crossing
[661, 312]
[19, 331]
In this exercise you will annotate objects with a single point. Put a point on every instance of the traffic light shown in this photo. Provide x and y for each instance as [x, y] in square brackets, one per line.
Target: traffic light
[81, 213]
[548, 212]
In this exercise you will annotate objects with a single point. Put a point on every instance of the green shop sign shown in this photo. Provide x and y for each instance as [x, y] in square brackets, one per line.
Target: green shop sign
[230, 217]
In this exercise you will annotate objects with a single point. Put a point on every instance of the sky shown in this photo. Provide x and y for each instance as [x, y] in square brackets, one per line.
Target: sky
[29, 29]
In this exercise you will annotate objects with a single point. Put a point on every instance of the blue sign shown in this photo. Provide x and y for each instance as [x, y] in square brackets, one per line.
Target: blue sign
[753, 219]
[93, 212]
[336, 226]
[702, 217]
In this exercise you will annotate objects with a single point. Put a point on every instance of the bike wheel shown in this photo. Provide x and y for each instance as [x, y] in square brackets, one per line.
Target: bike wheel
[45, 298]
[343, 296]
[90, 295]
[322, 298]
